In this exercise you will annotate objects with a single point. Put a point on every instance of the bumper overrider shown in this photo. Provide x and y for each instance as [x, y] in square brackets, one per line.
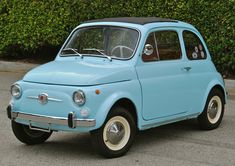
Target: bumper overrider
[71, 121]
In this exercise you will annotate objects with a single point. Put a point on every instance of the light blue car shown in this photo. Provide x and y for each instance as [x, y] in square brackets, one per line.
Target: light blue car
[115, 76]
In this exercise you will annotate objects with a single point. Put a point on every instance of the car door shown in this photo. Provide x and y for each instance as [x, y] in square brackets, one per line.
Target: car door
[163, 76]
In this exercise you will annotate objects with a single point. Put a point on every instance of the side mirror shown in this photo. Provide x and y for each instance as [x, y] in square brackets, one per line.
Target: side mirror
[148, 49]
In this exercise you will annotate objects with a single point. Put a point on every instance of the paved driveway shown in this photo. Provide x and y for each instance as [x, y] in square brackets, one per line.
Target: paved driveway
[177, 144]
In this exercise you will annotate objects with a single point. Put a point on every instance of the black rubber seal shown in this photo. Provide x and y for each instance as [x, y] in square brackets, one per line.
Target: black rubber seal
[9, 111]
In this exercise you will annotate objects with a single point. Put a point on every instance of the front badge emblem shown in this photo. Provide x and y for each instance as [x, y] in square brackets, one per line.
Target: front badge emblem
[43, 98]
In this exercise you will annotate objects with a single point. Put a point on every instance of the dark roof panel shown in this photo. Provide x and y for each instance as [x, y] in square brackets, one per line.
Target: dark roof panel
[135, 20]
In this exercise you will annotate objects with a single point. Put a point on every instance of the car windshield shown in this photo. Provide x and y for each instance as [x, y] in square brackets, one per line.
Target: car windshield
[105, 41]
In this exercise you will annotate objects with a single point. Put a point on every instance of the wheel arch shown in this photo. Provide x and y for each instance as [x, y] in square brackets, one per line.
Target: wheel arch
[130, 102]
[205, 121]
[214, 85]
[100, 140]
[129, 105]
[217, 86]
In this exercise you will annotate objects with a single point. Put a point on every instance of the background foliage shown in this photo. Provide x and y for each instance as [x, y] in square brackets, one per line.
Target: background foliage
[37, 28]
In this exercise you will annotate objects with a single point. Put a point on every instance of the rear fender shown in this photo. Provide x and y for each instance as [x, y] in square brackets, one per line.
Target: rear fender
[210, 86]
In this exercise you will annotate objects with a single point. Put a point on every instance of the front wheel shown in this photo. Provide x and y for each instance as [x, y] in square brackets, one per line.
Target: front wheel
[31, 137]
[213, 112]
[116, 136]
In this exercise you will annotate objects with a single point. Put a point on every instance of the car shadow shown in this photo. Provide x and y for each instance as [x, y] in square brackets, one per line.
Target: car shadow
[167, 132]
[72, 145]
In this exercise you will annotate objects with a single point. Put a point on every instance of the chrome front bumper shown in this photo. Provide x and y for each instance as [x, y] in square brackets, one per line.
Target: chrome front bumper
[71, 121]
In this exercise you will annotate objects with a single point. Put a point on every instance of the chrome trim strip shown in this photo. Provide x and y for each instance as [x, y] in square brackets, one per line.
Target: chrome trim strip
[84, 122]
[32, 97]
[49, 98]
[52, 120]
[53, 99]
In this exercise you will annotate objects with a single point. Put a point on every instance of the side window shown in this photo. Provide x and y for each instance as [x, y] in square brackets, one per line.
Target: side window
[193, 46]
[166, 46]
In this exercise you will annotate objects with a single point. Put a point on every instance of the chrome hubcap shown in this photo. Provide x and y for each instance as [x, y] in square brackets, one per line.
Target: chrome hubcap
[213, 109]
[115, 133]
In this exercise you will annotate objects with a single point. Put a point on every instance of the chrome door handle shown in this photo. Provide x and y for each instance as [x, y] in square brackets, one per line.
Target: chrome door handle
[187, 68]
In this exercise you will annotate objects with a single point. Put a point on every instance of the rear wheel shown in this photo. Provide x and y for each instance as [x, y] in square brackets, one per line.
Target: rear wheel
[116, 136]
[28, 136]
[213, 112]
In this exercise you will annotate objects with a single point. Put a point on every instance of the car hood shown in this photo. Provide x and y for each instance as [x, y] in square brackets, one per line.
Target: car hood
[80, 73]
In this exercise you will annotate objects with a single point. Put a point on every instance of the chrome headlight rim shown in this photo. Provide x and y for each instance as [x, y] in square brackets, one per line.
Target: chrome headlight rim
[15, 94]
[80, 101]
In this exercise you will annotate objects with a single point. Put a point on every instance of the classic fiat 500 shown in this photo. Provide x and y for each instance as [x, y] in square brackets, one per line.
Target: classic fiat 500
[115, 76]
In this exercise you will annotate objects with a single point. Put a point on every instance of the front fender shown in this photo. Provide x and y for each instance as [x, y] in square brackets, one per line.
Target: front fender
[129, 89]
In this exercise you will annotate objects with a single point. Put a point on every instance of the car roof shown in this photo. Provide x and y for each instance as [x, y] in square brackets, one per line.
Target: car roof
[134, 20]
[139, 23]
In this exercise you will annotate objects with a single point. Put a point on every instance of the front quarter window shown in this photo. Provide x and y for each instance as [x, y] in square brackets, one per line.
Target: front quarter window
[114, 42]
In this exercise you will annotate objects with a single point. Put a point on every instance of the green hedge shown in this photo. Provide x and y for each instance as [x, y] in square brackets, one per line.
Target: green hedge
[32, 28]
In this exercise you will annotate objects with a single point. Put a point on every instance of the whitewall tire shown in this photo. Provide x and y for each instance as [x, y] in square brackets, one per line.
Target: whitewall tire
[213, 112]
[116, 136]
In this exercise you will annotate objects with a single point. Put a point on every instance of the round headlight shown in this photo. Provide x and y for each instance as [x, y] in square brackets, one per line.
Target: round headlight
[79, 97]
[16, 91]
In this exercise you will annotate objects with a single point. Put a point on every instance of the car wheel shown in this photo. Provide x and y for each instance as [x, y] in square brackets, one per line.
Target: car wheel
[116, 136]
[213, 112]
[28, 136]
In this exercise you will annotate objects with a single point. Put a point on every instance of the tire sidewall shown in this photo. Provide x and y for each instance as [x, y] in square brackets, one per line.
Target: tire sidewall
[98, 140]
[203, 118]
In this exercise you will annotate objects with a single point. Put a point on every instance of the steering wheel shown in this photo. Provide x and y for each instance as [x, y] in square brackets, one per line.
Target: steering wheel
[121, 49]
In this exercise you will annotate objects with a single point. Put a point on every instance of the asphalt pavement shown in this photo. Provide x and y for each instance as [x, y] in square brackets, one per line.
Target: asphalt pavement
[177, 144]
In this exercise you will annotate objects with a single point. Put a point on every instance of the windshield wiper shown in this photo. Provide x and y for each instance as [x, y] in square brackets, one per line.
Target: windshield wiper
[74, 50]
[99, 51]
